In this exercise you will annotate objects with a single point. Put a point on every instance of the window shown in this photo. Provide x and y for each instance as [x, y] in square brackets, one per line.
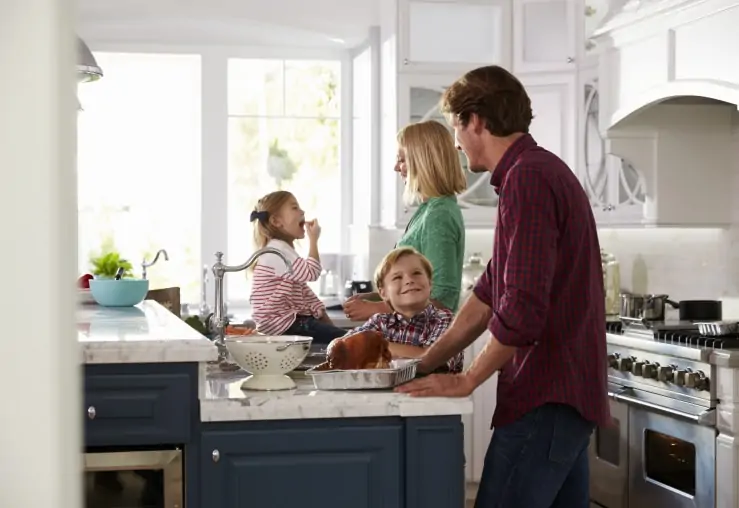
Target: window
[283, 133]
[139, 165]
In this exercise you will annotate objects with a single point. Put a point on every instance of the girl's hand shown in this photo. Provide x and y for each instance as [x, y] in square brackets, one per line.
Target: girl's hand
[313, 229]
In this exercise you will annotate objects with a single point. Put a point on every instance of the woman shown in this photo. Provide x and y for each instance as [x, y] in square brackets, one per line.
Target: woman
[429, 165]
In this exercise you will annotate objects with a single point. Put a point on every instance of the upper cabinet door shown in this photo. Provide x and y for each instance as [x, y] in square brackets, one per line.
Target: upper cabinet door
[553, 103]
[545, 34]
[453, 36]
[418, 101]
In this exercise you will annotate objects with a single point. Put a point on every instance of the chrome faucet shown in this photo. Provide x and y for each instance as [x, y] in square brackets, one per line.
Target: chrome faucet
[218, 320]
[204, 307]
[145, 265]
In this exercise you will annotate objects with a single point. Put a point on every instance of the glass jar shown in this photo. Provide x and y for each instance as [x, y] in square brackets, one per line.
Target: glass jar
[471, 271]
[611, 284]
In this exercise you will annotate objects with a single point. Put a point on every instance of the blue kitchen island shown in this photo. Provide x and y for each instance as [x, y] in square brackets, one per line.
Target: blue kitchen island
[149, 388]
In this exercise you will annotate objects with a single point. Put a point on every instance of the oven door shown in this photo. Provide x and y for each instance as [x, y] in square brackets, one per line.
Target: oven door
[672, 461]
[608, 456]
[134, 479]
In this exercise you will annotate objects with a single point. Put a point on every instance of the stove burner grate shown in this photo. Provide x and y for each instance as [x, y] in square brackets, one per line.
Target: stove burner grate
[695, 339]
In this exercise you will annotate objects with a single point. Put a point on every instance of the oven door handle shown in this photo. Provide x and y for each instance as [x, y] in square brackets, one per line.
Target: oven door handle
[707, 417]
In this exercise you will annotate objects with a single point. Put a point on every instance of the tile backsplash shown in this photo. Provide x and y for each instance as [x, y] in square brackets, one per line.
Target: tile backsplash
[691, 263]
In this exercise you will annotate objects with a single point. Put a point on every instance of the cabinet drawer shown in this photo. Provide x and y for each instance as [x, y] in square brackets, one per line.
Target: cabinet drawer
[140, 409]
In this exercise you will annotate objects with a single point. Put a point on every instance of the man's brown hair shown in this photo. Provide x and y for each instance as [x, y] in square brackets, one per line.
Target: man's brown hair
[493, 94]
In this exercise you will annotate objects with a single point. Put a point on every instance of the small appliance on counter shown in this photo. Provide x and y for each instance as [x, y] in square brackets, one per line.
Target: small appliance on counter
[355, 287]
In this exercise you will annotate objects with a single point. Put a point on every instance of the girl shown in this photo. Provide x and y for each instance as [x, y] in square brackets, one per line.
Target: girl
[283, 303]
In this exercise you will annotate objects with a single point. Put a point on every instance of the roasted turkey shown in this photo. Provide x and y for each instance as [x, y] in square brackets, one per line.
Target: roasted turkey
[363, 350]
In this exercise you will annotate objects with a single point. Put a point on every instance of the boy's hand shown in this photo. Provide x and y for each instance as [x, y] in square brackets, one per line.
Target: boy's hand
[313, 229]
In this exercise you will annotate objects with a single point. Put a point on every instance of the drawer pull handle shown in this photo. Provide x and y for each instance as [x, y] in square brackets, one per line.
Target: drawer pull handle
[91, 413]
[216, 455]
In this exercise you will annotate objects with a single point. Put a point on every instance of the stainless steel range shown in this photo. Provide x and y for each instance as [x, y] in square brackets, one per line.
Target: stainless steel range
[673, 395]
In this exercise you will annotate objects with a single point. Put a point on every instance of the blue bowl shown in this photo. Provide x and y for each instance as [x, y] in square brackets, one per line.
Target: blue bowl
[119, 293]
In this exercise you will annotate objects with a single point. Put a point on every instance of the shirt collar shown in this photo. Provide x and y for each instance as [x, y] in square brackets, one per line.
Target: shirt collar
[429, 311]
[509, 159]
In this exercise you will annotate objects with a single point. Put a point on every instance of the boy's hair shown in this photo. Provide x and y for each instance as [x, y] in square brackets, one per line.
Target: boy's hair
[393, 256]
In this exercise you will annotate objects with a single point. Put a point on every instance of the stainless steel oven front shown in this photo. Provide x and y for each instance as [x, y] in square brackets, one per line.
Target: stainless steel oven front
[134, 479]
[672, 460]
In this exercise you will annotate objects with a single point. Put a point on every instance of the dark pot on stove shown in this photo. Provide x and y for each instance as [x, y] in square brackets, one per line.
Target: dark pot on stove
[700, 310]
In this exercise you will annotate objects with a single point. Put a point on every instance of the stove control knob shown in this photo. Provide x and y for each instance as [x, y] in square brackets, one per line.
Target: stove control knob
[696, 380]
[624, 364]
[665, 374]
[637, 368]
[649, 371]
[613, 360]
[680, 377]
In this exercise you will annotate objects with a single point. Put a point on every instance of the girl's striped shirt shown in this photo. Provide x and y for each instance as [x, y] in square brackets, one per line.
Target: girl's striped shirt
[277, 296]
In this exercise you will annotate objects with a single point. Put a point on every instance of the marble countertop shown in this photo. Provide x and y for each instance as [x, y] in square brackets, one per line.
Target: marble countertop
[222, 399]
[146, 333]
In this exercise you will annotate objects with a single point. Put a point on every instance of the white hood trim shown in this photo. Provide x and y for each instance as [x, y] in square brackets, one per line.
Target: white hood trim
[718, 90]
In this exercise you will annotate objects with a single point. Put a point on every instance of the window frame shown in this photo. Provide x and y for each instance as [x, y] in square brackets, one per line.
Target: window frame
[214, 138]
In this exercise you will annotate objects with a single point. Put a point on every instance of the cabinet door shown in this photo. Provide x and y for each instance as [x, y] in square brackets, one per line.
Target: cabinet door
[327, 464]
[616, 189]
[456, 36]
[419, 97]
[554, 126]
[484, 401]
[544, 35]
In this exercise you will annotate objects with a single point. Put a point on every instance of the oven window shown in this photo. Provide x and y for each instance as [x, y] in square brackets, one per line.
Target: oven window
[670, 461]
[124, 489]
[607, 442]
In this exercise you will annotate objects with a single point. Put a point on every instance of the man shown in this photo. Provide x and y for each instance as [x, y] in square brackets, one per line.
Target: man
[542, 300]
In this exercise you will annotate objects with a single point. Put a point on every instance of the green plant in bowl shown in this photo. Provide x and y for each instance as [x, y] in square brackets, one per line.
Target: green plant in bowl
[106, 265]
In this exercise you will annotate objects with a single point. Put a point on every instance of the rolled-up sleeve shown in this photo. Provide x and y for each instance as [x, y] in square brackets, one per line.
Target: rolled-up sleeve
[483, 289]
[528, 212]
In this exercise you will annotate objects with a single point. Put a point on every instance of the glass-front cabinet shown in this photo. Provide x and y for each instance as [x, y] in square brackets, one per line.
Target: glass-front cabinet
[419, 97]
[616, 188]
[554, 126]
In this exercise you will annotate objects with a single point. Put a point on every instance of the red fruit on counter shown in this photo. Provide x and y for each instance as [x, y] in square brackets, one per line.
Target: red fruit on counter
[84, 281]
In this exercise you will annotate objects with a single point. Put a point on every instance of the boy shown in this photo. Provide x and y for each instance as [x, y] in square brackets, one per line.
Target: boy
[403, 280]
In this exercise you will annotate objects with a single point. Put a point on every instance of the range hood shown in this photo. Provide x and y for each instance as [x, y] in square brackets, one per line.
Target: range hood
[87, 67]
[669, 89]
[655, 50]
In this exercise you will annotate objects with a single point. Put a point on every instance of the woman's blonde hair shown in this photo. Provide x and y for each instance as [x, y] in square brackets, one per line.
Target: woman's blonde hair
[268, 206]
[433, 163]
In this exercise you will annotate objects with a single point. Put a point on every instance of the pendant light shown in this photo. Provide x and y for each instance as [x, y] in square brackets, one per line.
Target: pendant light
[87, 67]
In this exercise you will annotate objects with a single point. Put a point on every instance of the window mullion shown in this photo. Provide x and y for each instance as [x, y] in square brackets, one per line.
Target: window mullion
[214, 153]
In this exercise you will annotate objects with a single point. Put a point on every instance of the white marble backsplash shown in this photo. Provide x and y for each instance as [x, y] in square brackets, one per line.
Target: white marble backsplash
[693, 263]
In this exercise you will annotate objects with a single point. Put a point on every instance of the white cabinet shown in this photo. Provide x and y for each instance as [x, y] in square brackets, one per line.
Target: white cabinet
[553, 102]
[545, 34]
[452, 35]
[553, 126]
[615, 187]
[418, 100]
[477, 431]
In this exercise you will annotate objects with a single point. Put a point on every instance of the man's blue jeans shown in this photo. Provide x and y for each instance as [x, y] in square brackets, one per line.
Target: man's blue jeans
[538, 461]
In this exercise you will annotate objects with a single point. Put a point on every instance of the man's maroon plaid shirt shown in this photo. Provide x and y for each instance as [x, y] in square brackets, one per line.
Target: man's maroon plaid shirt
[544, 284]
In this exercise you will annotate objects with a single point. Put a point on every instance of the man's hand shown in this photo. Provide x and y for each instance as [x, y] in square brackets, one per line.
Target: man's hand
[439, 385]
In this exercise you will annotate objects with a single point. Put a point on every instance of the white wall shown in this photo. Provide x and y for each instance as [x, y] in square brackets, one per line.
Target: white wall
[40, 424]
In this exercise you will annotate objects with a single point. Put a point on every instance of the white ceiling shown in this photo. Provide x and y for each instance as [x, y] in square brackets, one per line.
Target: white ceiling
[312, 23]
